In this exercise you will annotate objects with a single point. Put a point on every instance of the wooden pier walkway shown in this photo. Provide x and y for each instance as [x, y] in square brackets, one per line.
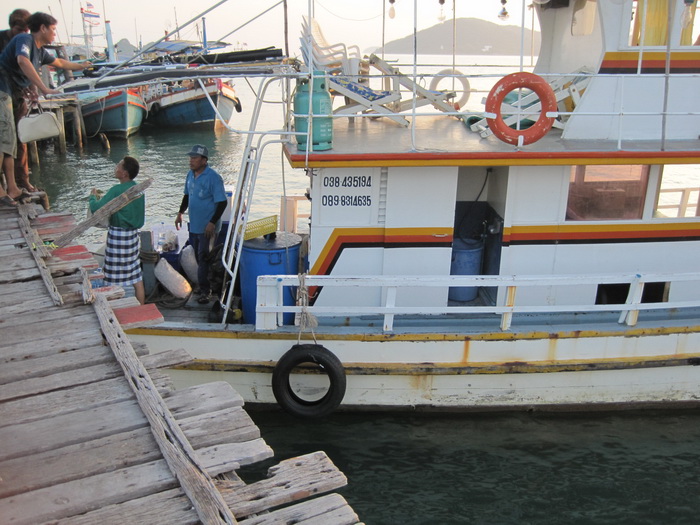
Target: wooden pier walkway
[91, 431]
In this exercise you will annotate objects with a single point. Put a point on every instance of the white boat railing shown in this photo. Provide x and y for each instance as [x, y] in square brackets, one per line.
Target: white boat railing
[270, 295]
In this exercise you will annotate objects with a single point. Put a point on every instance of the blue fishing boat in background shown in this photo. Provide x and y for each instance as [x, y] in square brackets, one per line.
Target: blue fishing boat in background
[117, 113]
[185, 103]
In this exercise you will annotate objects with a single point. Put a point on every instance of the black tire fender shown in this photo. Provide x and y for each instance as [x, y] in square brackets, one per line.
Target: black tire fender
[327, 362]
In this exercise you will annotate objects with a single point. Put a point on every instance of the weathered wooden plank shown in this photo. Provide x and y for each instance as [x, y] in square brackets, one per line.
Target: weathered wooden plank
[63, 267]
[124, 302]
[230, 456]
[39, 318]
[45, 366]
[16, 260]
[291, 480]
[76, 461]
[203, 399]
[64, 401]
[227, 425]
[83, 495]
[74, 320]
[177, 451]
[139, 316]
[166, 359]
[19, 276]
[91, 395]
[332, 508]
[47, 346]
[39, 385]
[104, 212]
[11, 306]
[112, 452]
[27, 289]
[170, 506]
[68, 429]
[39, 252]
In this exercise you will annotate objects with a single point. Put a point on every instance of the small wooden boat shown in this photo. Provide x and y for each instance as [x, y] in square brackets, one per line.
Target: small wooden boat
[187, 103]
[118, 113]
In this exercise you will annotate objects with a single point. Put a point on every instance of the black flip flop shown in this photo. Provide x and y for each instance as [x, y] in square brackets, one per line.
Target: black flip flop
[8, 201]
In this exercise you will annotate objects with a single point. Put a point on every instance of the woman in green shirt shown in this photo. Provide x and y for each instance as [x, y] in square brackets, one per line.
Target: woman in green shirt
[122, 265]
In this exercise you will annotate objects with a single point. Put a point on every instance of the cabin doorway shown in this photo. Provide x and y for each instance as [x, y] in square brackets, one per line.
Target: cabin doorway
[478, 226]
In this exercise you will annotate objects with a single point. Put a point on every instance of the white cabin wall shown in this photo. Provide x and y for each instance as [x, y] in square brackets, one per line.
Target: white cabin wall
[561, 52]
[407, 207]
[416, 200]
[536, 196]
[331, 220]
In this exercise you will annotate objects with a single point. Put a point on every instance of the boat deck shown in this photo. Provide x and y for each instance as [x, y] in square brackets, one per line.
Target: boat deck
[443, 140]
[93, 431]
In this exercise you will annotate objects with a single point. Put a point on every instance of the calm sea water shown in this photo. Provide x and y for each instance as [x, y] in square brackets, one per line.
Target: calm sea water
[639, 468]
[634, 469]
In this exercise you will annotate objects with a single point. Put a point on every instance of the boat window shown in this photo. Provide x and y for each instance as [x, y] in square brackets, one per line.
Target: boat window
[649, 25]
[606, 192]
[679, 192]
[583, 21]
[616, 293]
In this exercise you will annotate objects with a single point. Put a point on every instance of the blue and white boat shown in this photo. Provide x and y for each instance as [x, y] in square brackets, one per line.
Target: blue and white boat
[116, 113]
[185, 103]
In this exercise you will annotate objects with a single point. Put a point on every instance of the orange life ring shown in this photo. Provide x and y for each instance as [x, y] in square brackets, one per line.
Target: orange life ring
[539, 129]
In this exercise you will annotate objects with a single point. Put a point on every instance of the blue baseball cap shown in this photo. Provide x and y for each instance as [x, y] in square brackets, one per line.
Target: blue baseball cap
[199, 151]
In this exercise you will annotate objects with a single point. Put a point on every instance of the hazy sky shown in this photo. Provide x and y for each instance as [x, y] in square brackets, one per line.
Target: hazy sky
[349, 21]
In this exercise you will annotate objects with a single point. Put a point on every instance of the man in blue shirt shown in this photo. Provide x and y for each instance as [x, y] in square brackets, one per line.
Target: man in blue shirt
[206, 198]
[19, 80]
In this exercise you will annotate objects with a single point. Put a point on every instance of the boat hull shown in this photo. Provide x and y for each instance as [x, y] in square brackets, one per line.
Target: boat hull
[118, 114]
[188, 107]
[562, 370]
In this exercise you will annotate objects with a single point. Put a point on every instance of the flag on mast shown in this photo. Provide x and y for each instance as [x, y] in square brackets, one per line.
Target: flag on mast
[89, 14]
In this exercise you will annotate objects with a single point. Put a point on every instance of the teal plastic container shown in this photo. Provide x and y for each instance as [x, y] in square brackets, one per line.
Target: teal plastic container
[466, 260]
[322, 127]
[268, 256]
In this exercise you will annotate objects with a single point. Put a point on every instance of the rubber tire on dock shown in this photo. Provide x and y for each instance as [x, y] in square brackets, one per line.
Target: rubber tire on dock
[327, 362]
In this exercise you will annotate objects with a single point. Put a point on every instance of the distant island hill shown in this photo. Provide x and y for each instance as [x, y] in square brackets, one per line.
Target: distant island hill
[474, 37]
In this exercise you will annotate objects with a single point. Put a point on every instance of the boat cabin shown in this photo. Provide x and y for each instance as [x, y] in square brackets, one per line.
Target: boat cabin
[613, 190]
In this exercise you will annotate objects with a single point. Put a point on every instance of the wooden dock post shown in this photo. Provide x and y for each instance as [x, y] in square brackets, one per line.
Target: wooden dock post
[77, 125]
[33, 153]
[61, 142]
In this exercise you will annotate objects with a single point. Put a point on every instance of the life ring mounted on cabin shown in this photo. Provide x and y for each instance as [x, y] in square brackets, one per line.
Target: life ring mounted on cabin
[458, 76]
[327, 363]
[539, 129]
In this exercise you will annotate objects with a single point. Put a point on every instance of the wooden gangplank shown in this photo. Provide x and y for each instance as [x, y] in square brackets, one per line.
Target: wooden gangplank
[91, 429]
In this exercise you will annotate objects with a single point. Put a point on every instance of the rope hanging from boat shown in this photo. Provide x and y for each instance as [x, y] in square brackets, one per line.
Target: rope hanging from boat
[307, 321]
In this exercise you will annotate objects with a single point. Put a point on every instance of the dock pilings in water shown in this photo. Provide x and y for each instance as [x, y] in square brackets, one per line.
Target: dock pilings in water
[92, 429]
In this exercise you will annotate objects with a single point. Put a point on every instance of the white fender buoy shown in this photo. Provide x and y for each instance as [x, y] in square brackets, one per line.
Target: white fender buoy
[175, 283]
[188, 261]
[458, 76]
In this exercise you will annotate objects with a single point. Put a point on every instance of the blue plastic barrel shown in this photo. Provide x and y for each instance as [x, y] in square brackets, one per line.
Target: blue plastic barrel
[466, 260]
[262, 256]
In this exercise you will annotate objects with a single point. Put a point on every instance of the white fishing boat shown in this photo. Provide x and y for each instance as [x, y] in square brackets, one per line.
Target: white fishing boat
[456, 262]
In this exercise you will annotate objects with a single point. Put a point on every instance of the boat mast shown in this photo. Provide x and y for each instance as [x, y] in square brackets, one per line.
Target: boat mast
[204, 36]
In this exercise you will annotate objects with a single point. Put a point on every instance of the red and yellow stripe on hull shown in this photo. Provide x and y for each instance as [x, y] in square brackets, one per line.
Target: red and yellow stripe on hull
[653, 62]
[342, 238]
[604, 233]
